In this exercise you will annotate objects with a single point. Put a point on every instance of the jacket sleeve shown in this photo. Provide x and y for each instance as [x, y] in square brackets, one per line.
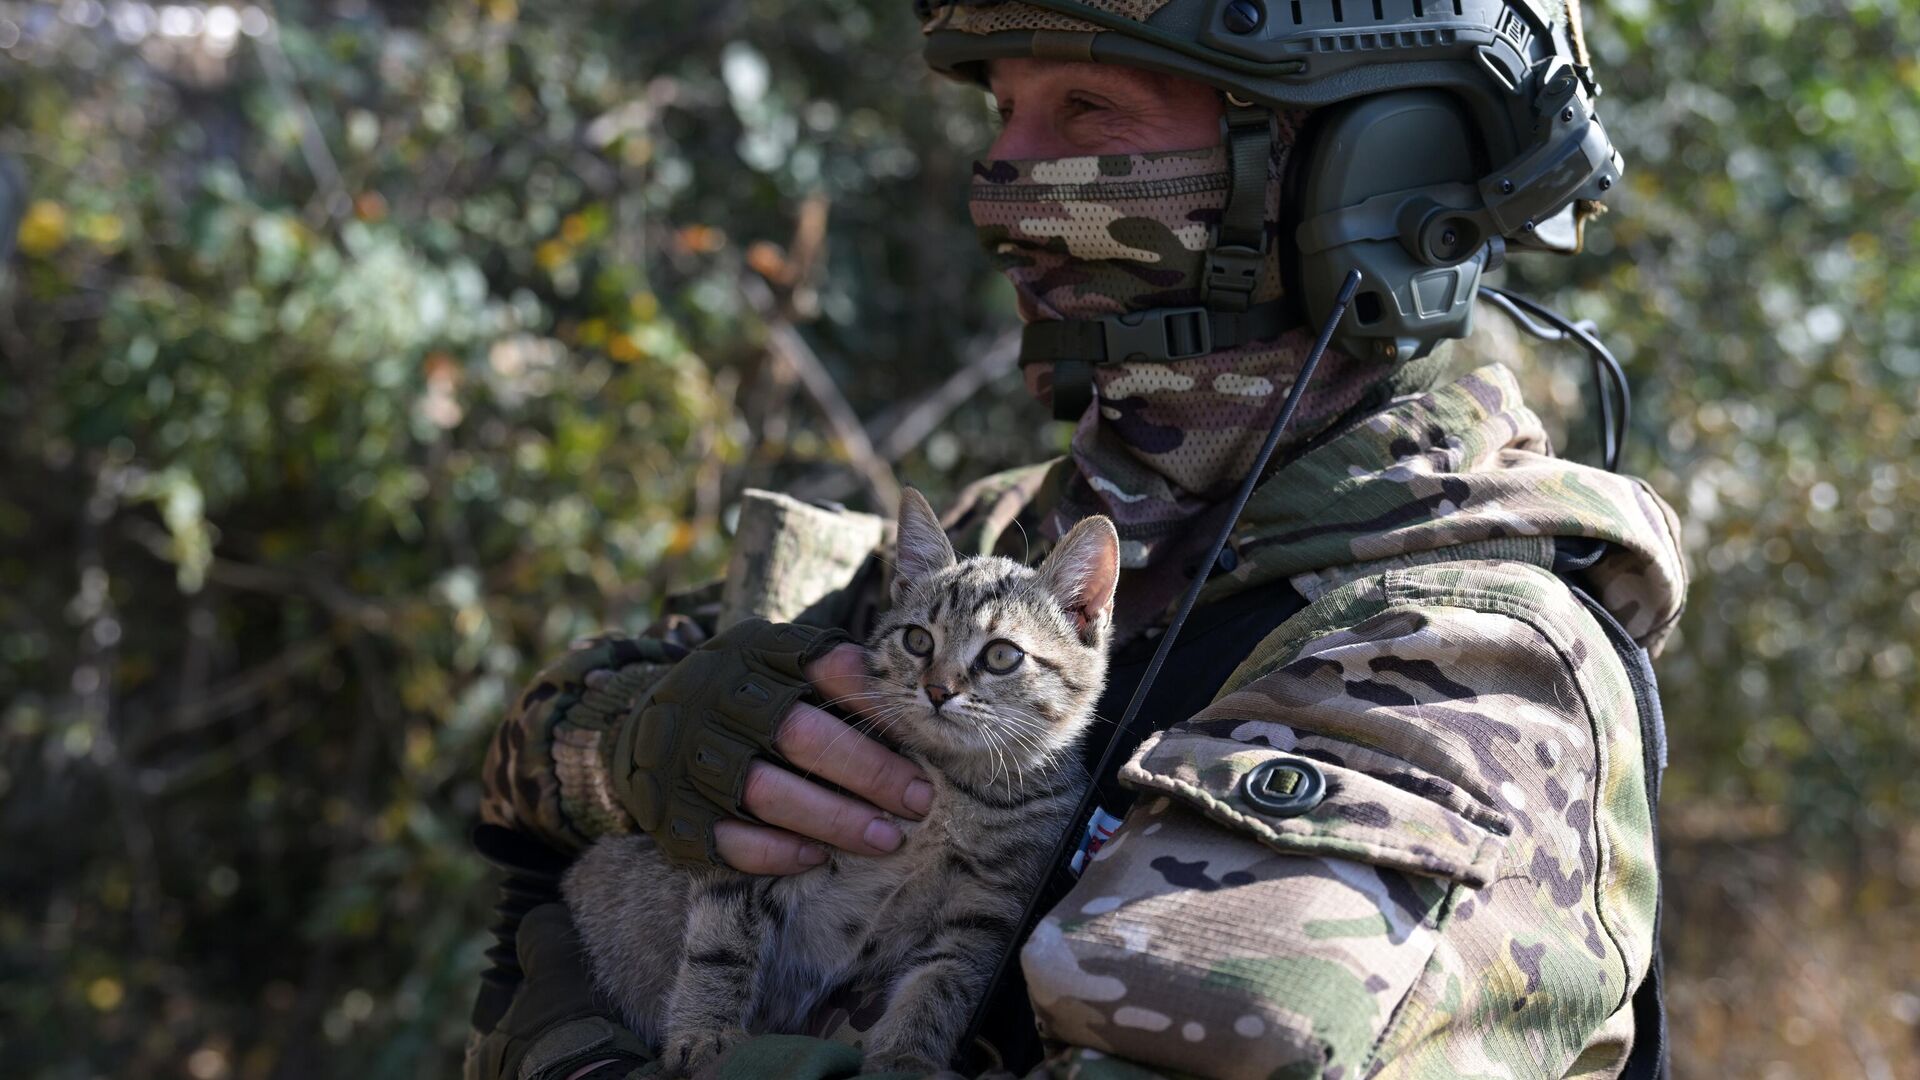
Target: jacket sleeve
[1410, 837]
[545, 794]
[546, 771]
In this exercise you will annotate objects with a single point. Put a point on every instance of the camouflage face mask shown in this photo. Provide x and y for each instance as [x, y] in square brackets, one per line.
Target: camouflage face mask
[1090, 236]
[1081, 238]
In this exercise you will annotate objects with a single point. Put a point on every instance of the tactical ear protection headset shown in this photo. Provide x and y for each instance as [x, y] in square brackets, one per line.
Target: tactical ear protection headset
[1446, 133]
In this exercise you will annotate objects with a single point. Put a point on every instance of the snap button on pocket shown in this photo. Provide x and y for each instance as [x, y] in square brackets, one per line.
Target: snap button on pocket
[1285, 787]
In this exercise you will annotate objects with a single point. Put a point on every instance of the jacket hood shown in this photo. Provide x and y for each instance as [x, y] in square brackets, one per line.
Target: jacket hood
[1462, 471]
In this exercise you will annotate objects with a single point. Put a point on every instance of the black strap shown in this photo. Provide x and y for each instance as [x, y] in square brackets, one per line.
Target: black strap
[1239, 251]
[1649, 1059]
[1162, 335]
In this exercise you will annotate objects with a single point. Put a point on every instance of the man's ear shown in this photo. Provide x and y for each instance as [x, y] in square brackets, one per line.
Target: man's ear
[1081, 573]
[922, 549]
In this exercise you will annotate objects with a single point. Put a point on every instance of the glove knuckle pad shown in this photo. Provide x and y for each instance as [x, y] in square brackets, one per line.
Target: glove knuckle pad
[653, 742]
[646, 801]
[692, 745]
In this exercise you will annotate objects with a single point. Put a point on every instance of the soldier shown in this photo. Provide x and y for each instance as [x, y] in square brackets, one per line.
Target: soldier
[1390, 811]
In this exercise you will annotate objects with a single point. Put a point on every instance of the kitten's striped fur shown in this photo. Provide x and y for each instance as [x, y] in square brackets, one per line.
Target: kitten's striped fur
[697, 961]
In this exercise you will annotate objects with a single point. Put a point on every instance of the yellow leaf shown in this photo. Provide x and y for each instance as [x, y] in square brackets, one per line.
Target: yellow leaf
[419, 749]
[645, 306]
[682, 540]
[105, 231]
[552, 254]
[105, 993]
[623, 348]
[573, 229]
[43, 230]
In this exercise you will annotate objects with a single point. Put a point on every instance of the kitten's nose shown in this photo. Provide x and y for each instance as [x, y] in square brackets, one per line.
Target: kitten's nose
[938, 694]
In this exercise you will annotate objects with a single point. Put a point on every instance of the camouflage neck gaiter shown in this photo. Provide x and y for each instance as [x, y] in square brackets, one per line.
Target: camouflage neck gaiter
[1086, 237]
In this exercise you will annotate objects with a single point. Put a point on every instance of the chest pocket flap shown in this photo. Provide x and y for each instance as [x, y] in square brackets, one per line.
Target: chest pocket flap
[1411, 822]
[1260, 913]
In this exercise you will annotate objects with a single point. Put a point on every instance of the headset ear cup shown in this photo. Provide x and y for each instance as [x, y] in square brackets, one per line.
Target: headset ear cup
[1407, 149]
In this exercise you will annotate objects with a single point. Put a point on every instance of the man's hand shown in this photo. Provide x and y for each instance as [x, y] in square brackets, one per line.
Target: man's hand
[726, 732]
[817, 744]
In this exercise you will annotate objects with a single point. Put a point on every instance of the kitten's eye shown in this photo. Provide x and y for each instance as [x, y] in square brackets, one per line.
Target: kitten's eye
[917, 641]
[1001, 657]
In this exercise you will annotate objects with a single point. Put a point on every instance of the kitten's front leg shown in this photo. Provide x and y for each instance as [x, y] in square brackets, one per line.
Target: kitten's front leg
[720, 972]
[933, 998]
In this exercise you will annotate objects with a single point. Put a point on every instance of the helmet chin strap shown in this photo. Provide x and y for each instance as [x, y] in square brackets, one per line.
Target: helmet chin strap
[1239, 251]
[1228, 318]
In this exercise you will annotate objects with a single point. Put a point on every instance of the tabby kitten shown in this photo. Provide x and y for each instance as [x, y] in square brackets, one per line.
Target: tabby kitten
[986, 673]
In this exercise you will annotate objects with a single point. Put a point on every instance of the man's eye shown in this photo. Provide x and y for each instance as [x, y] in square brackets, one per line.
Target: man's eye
[1079, 104]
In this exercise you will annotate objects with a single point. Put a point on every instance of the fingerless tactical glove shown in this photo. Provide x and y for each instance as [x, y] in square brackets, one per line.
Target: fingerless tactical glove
[680, 763]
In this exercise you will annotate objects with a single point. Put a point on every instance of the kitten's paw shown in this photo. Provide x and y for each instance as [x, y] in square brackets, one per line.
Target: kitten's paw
[686, 1053]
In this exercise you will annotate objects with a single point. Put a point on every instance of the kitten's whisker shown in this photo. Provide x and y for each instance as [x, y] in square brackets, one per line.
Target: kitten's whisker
[882, 718]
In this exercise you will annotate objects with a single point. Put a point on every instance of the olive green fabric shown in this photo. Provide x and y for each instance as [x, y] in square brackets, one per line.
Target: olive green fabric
[555, 1025]
[680, 765]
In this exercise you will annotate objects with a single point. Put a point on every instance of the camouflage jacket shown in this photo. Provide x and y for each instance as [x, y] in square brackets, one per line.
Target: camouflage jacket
[1474, 891]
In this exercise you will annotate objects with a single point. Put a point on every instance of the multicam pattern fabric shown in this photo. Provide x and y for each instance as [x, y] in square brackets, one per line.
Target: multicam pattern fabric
[546, 772]
[994, 16]
[1463, 470]
[1474, 895]
[1002, 16]
[1082, 238]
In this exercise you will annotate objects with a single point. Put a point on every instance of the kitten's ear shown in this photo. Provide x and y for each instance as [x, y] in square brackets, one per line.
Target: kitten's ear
[1081, 573]
[922, 548]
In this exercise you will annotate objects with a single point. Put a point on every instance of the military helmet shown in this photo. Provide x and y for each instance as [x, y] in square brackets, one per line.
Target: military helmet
[1444, 133]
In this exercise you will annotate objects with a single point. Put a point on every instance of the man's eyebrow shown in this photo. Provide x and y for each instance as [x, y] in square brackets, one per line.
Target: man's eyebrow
[1114, 76]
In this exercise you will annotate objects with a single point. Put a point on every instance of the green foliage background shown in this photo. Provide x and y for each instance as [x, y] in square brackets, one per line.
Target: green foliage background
[357, 355]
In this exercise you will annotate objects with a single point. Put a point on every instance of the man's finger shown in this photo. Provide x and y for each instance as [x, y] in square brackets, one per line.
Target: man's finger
[782, 799]
[840, 678]
[822, 745]
[756, 849]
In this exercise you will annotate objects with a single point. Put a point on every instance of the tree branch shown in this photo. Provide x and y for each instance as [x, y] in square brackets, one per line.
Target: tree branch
[785, 343]
[332, 193]
[238, 692]
[907, 428]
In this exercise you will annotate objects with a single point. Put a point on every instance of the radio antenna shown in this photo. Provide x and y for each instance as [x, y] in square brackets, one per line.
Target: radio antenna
[1068, 843]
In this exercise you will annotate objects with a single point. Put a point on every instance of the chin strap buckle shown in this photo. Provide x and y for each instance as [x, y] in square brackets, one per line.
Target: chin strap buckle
[1233, 273]
[1160, 336]
[1239, 253]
